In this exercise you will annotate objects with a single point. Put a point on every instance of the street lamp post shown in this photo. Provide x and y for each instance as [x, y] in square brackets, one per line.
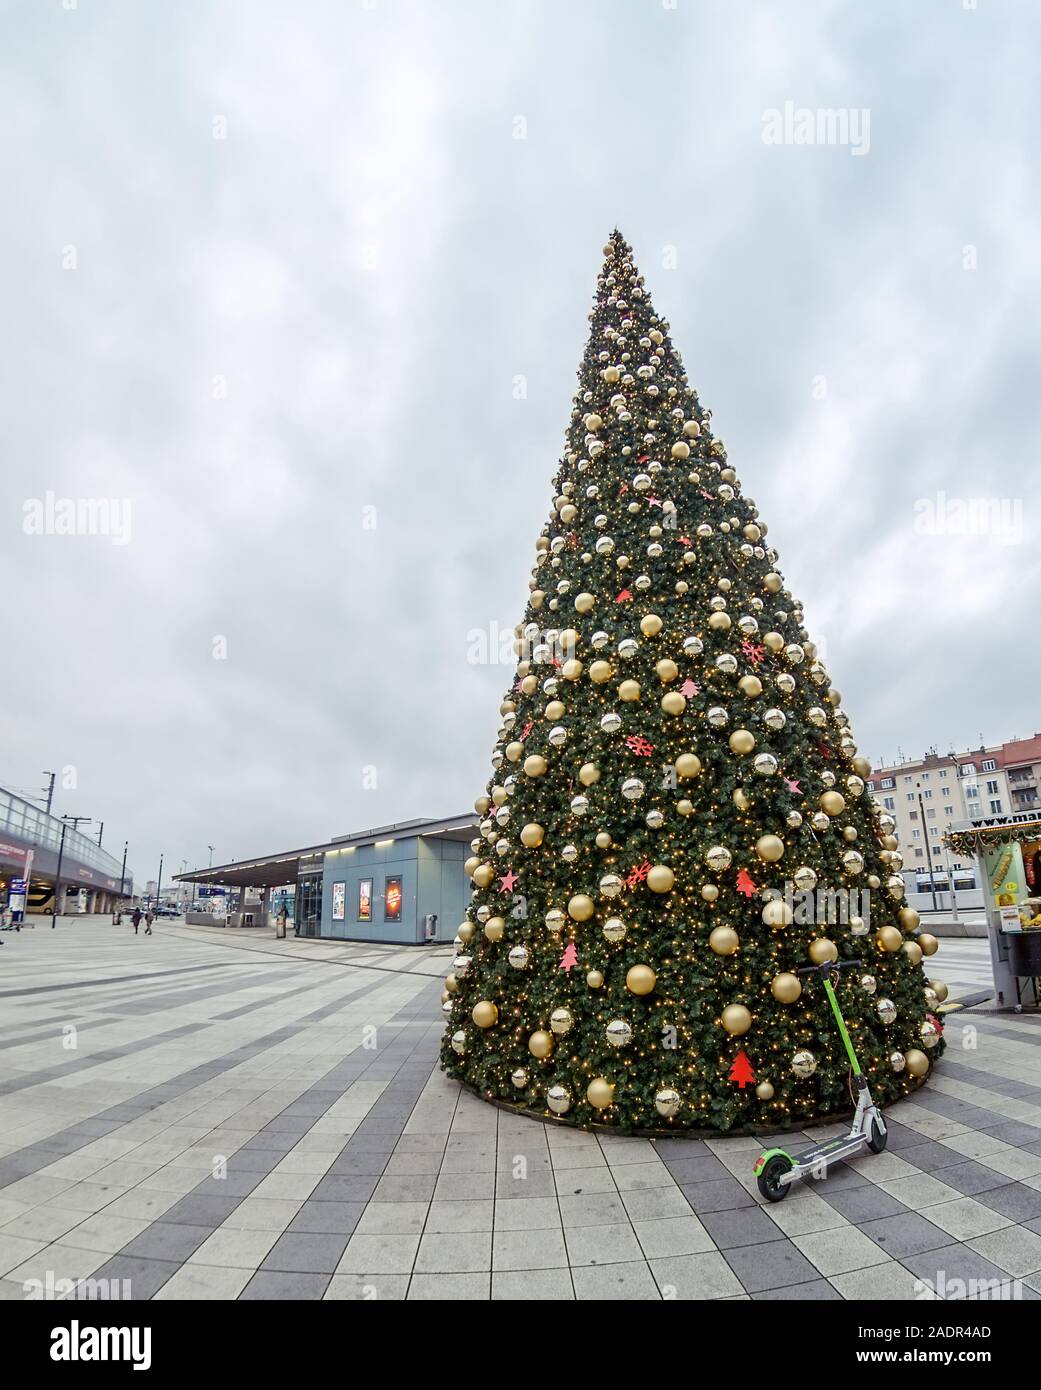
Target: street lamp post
[123, 871]
[158, 884]
[928, 851]
[66, 821]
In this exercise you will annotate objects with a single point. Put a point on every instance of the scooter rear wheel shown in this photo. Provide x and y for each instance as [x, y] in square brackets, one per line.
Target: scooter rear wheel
[769, 1179]
[877, 1137]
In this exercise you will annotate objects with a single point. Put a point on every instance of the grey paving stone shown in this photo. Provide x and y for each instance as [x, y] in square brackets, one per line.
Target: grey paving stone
[367, 1288]
[167, 1240]
[905, 1234]
[276, 1287]
[601, 1245]
[146, 1276]
[1014, 1200]
[863, 1203]
[740, 1226]
[953, 1262]
[973, 1178]
[593, 1209]
[696, 1276]
[624, 1283]
[356, 1189]
[201, 1210]
[361, 1164]
[700, 1168]
[454, 1253]
[778, 1264]
[675, 1235]
[461, 1287]
[725, 1195]
[528, 1249]
[815, 1291]
[416, 1187]
[327, 1218]
[1014, 1132]
[533, 1285]
[305, 1253]
[459, 1216]
[931, 1156]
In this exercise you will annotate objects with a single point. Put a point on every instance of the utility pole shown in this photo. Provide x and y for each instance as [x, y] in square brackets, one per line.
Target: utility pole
[210, 848]
[158, 883]
[928, 851]
[49, 789]
[123, 872]
[101, 831]
[66, 821]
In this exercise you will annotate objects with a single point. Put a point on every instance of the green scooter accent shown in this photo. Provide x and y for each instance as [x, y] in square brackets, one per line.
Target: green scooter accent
[775, 1169]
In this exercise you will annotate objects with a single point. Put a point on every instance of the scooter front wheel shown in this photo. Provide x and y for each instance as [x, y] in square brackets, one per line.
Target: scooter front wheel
[878, 1137]
[769, 1179]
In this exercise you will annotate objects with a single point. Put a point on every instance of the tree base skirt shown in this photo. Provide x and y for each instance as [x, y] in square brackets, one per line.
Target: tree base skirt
[735, 1132]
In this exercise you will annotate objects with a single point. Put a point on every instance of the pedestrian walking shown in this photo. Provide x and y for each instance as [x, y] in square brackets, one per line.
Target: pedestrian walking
[148, 922]
[136, 919]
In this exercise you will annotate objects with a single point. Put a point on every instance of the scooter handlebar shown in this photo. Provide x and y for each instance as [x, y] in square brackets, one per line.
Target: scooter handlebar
[829, 965]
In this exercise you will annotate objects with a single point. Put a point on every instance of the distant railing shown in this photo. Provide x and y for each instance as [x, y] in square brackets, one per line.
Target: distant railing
[28, 822]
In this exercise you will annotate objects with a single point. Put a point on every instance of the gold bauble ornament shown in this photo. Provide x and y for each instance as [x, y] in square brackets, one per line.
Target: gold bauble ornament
[603, 840]
[772, 583]
[483, 875]
[773, 641]
[629, 691]
[667, 1101]
[532, 835]
[742, 741]
[909, 919]
[769, 848]
[470, 865]
[917, 1062]
[673, 702]
[494, 929]
[640, 979]
[661, 879]
[832, 803]
[939, 989]
[724, 941]
[650, 625]
[584, 603]
[736, 1019]
[786, 987]
[465, 932]
[666, 669]
[709, 892]
[600, 671]
[611, 375]
[554, 710]
[913, 952]
[451, 983]
[588, 774]
[750, 686]
[485, 1014]
[740, 800]
[535, 765]
[595, 979]
[821, 950]
[529, 685]
[765, 1090]
[684, 807]
[514, 751]
[571, 670]
[719, 621]
[540, 1044]
[777, 913]
[580, 907]
[680, 450]
[600, 1093]
[888, 939]
[688, 765]
[928, 943]
[481, 805]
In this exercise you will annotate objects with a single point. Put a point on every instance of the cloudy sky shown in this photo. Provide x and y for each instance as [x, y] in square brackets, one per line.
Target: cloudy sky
[272, 273]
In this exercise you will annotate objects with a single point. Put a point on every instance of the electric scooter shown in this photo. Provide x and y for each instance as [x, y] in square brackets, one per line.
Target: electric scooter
[776, 1169]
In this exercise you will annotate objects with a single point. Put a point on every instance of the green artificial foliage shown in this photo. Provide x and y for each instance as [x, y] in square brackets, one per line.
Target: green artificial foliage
[655, 569]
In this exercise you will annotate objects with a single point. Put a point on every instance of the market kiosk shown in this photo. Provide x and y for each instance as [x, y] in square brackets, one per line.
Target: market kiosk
[1008, 851]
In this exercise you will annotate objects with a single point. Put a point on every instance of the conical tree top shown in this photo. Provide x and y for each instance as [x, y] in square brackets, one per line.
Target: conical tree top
[678, 820]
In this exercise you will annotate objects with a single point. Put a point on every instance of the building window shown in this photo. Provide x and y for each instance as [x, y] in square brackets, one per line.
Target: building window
[889, 803]
[913, 815]
[910, 796]
[924, 777]
[995, 807]
[887, 782]
[931, 813]
[392, 899]
[927, 795]
[990, 765]
[919, 854]
[946, 791]
[993, 788]
[871, 786]
[916, 834]
[972, 793]
[948, 810]
[943, 772]
[907, 779]
[967, 770]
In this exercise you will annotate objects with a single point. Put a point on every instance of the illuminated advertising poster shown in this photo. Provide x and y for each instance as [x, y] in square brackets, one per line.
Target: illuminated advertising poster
[392, 900]
[365, 900]
[339, 901]
[1005, 882]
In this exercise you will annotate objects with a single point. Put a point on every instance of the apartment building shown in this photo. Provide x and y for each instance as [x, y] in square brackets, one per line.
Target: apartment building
[927, 795]
[1020, 760]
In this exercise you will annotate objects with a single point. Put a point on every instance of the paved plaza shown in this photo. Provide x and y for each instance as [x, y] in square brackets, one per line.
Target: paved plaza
[214, 1115]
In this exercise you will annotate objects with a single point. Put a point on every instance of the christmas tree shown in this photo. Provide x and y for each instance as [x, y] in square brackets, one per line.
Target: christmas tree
[677, 819]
